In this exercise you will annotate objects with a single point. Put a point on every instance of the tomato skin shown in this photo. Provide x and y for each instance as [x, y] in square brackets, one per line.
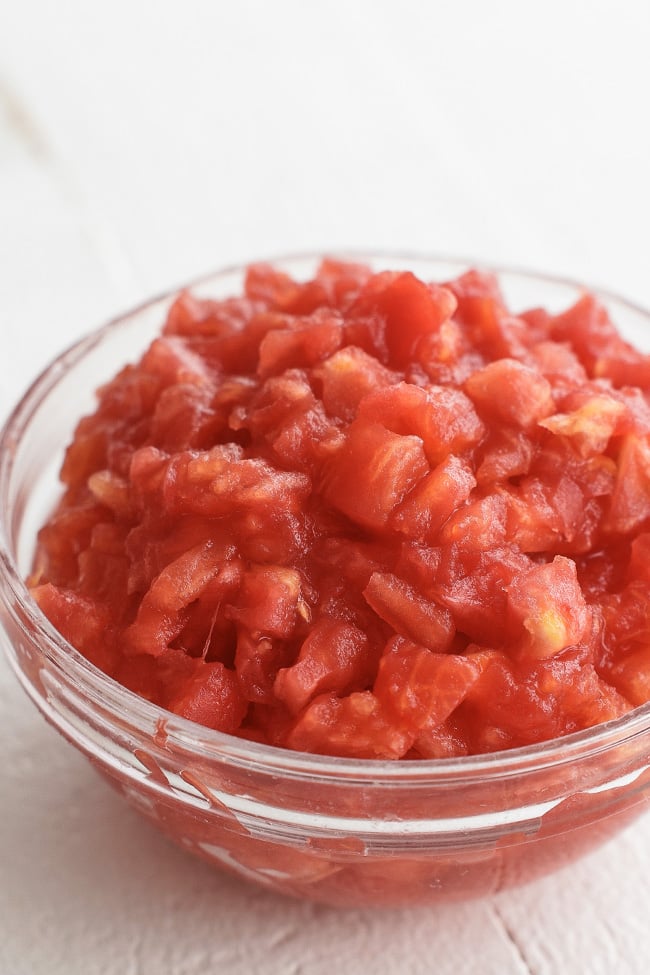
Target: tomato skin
[365, 515]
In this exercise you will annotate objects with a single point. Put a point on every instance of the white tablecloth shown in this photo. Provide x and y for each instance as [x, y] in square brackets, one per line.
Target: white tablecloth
[143, 143]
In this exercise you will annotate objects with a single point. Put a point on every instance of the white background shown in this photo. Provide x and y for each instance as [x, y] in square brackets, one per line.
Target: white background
[144, 143]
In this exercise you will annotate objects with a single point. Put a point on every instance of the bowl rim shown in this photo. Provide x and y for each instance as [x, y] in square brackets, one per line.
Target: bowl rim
[148, 718]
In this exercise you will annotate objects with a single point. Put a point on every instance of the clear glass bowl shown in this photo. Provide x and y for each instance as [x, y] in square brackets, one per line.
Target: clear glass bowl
[342, 831]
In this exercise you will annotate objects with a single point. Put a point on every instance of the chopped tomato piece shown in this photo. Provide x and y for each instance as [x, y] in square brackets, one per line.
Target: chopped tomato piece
[304, 345]
[270, 601]
[212, 698]
[409, 308]
[421, 688]
[353, 726]
[409, 613]
[348, 376]
[511, 392]
[426, 508]
[548, 604]
[444, 419]
[372, 472]
[630, 501]
[336, 656]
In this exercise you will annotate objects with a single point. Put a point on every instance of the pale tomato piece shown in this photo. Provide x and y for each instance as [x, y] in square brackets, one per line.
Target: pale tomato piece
[511, 392]
[549, 607]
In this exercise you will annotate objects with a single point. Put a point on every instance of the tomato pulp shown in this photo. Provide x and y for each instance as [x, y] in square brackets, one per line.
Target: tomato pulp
[365, 515]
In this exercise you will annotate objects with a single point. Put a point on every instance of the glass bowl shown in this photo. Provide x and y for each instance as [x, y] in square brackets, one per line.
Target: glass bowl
[342, 831]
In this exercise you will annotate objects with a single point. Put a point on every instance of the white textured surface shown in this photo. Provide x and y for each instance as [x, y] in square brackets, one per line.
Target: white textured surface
[142, 143]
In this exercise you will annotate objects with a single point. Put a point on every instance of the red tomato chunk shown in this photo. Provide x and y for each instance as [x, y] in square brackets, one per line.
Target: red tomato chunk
[365, 515]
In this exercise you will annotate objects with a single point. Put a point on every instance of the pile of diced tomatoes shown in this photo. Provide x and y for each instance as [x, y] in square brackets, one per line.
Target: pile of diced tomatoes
[365, 516]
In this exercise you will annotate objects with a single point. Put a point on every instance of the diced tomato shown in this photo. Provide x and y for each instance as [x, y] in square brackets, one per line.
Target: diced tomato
[82, 621]
[62, 540]
[410, 614]
[270, 601]
[547, 608]
[443, 418]
[631, 676]
[336, 656]
[542, 515]
[558, 363]
[482, 310]
[591, 333]
[353, 560]
[510, 702]
[590, 426]
[265, 283]
[191, 317]
[430, 503]
[319, 336]
[511, 392]
[212, 698]
[630, 502]
[354, 726]
[286, 416]
[161, 613]
[477, 526]
[440, 353]
[639, 561]
[507, 453]
[185, 416]
[473, 587]
[365, 515]
[421, 688]
[257, 662]
[372, 472]
[445, 740]
[174, 362]
[478, 295]
[409, 308]
[348, 376]
[419, 564]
